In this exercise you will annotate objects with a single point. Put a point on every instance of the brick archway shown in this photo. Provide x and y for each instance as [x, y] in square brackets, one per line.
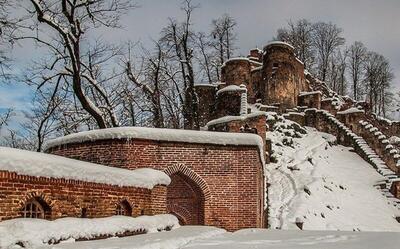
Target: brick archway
[186, 195]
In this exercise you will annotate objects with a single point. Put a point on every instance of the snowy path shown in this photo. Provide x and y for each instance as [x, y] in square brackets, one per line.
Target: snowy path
[326, 187]
[174, 239]
[197, 237]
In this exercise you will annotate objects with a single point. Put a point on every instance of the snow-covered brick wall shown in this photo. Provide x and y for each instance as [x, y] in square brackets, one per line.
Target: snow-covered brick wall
[170, 135]
[45, 165]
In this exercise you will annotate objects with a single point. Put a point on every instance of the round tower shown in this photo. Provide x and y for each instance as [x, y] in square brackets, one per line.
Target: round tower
[282, 74]
[236, 71]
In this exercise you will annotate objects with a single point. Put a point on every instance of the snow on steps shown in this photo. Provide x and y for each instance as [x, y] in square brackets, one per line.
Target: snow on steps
[370, 156]
[33, 233]
[383, 140]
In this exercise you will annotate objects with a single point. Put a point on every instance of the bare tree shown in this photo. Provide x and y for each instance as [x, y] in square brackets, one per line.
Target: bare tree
[70, 22]
[337, 72]
[7, 26]
[300, 35]
[327, 40]
[180, 38]
[206, 58]
[224, 36]
[357, 56]
[5, 117]
[378, 77]
[151, 82]
[43, 121]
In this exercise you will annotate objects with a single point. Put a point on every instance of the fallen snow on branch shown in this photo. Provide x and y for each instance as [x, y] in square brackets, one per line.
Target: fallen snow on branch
[38, 164]
[32, 233]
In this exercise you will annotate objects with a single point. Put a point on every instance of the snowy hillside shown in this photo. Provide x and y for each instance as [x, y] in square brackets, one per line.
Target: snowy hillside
[323, 185]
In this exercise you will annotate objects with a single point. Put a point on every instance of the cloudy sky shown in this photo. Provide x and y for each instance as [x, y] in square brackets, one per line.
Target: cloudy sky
[374, 22]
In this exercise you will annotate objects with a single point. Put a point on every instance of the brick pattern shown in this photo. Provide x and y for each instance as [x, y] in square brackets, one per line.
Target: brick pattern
[206, 96]
[283, 76]
[70, 197]
[236, 72]
[395, 189]
[310, 100]
[185, 199]
[230, 177]
[228, 104]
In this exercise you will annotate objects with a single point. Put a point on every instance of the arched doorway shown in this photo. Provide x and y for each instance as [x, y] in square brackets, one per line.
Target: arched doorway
[185, 199]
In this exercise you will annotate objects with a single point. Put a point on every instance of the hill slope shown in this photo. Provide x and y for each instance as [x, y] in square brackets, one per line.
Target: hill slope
[323, 185]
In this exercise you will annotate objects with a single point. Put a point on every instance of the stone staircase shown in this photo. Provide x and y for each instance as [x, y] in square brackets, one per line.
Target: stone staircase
[367, 153]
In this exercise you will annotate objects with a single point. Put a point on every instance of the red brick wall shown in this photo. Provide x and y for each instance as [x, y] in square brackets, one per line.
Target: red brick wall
[186, 200]
[236, 72]
[395, 189]
[69, 197]
[283, 76]
[206, 95]
[230, 177]
[228, 104]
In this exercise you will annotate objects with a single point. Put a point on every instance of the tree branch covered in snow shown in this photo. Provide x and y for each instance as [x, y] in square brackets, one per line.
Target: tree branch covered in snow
[70, 22]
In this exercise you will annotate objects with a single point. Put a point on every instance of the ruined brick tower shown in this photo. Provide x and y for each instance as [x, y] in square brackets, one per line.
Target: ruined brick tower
[273, 77]
[282, 75]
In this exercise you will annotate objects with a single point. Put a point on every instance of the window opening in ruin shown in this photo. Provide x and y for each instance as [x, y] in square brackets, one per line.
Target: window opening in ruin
[84, 213]
[123, 208]
[36, 208]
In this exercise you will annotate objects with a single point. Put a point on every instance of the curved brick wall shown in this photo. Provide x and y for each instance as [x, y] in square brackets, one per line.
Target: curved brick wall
[229, 177]
[69, 197]
[283, 75]
[236, 71]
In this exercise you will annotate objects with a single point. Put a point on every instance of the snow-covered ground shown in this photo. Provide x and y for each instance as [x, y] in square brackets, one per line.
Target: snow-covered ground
[324, 186]
[33, 233]
[202, 237]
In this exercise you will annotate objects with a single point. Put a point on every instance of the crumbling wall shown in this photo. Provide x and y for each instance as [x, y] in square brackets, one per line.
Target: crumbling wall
[283, 75]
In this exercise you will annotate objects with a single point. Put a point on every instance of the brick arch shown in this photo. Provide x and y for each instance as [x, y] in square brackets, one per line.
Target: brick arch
[52, 204]
[36, 194]
[187, 195]
[180, 212]
[127, 202]
[184, 170]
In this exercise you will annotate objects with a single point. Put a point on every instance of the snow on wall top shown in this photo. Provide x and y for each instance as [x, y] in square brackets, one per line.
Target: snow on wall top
[351, 110]
[236, 59]
[278, 43]
[206, 85]
[156, 134]
[232, 88]
[309, 93]
[45, 165]
[227, 119]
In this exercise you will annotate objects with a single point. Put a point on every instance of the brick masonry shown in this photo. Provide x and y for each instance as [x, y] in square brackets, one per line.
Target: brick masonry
[211, 184]
[73, 198]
